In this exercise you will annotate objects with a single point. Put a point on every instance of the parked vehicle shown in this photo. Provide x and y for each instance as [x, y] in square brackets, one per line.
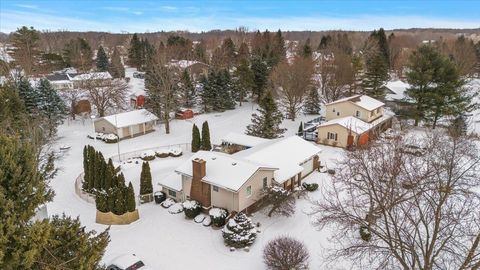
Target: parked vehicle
[413, 150]
[127, 262]
[139, 75]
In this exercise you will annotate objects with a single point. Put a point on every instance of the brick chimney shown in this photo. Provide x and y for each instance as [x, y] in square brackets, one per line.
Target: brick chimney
[200, 191]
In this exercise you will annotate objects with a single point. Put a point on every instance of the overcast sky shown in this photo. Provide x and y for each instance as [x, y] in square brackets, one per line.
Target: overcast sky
[195, 16]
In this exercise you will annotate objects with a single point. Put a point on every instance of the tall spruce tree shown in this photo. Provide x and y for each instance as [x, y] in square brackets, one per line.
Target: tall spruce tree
[312, 102]
[436, 87]
[266, 122]
[196, 140]
[116, 68]
[78, 54]
[260, 76]
[50, 106]
[135, 52]
[206, 144]
[102, 59]
[29, 95]
[187, 90]
[130, 198]
[306, 51]
[239, 231]
[244, 80]
[146, 179]
[120, 202]
[375, 75]
[25, 42]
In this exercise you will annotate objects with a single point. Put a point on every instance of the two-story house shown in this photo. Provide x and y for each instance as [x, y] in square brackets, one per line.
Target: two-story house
[353, 121]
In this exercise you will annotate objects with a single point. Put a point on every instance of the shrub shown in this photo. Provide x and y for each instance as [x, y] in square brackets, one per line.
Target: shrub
[192, 208]
[285, 253]
[218, 216]
[310, 187]
[148, 155]
[239, 231]
[365, 233]
[162, 153]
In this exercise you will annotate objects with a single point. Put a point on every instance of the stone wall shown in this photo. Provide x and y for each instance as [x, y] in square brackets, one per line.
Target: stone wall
[110, 218]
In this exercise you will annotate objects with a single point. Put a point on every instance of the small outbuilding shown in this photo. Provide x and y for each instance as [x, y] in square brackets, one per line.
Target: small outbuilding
[127, 124]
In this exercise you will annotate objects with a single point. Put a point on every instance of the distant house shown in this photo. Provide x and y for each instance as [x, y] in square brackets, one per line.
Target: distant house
[65, 80]
[237, 182]
[194, 68]
[60, 81]
[396, 98]
[127, 124]
[234, 142]
[353, 121]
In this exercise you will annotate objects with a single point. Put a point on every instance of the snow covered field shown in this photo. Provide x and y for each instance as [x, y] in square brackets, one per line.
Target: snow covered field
[166, 241]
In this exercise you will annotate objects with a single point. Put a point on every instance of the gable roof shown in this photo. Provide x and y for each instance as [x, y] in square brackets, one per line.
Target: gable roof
[397, 90]
[223, 170]
[88, 76]
[286, 154]
[362, 101]
[355, 124]
[243, 139]
[130, 118]
[57, 77]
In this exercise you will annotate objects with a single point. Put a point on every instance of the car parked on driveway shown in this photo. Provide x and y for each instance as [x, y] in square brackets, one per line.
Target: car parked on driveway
[127, 262]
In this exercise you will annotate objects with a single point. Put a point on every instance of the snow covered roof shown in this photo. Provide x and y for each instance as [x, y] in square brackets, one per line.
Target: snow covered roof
[286, 154]
[397, 89]
[172, 181]
[355, 124]
[242, 139]
[223, 170]
[130, 118]
[184, 63]
[88, 76]
[363, 101]
[57, 77]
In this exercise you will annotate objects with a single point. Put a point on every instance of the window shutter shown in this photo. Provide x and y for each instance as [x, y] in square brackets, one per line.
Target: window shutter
[335, 136]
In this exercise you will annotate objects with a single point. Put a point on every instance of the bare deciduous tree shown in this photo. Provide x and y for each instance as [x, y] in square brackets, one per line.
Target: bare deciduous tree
[336, 75]
[291, 81]
[278, 201]
[284, 253]
[106, 94]
[394, 206]
[72, 96]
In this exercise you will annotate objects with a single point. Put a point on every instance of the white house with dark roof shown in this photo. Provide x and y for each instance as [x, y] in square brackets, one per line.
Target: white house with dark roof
[127, 124]
[236, 182]
[353, 121]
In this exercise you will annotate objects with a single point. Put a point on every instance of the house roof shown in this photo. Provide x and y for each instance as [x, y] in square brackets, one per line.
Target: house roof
[242, 139]
[355, 124]
[286, 154]
[223, 170]
[363, 101]
[130, 118]
[397, 90]
[57, 77]
[172, 181]
[88, 76]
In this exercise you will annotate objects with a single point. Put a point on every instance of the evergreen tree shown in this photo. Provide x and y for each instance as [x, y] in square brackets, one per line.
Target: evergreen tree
[196, 140]
[29, 95]
[135, 52]
[14, 118]
[381, 39]
[300, 128]
[376, 75]
[116, 68]
[306, 51]
[239, 232]
[312, 103]
[243, 53]
[187, 90]
[101, 202]
[50, 106]
[102, 59]
[278, 53]
[120, 203]
[78, 54]
[266, 123]
[206, 144]
[260, 76]
[111, 196]
[130, 198]
[145, 180]
[324, 42]
[86, 172]
[217, 92]
[245, 80]
[436, 87]
[109, 174]
[120, 179]
[25, 43]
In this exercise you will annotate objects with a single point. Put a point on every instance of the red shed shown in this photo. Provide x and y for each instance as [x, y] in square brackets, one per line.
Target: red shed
[184, 114]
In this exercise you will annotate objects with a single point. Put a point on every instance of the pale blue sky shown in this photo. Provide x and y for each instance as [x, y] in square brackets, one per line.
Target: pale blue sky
[195, 16]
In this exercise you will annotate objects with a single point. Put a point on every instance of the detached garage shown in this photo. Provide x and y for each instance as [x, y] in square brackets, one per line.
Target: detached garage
[127, 124]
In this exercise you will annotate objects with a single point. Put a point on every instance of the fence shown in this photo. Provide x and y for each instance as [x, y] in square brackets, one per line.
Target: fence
[82, 194]
[186, 147]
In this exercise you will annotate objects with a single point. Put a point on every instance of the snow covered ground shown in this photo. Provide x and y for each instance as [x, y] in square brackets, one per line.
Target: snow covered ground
[167, 241]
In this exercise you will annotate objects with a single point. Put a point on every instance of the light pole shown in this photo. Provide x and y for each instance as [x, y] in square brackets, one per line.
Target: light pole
[93, 125]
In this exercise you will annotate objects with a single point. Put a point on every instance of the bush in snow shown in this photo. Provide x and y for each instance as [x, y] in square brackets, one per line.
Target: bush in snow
[162, 153]
[192, 208]
[310, 187]
[167, 203]
[175, 151]
[239, 231]
[285, 253]
[218, 216]
[176, 208]
[148, 155]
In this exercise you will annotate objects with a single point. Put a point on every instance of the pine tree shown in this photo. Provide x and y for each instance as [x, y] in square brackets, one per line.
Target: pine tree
[135, 52]
[187, 90]
[206, 145]
[116, 68]
[120, 179]
[381, 39]
[78, 54]
[111, 196]
[145, 180]
[375, 76]
[109, 174]
[51, 107]
[120, 203]
[86, 172]
[260, 76]
[101, 202]
[306, 49]
[102, 59]
[266, 123]
[25, 42]
[196, 140]
[239, 232]
[29, 95]
[245, 80]
[130, 198]
[300, 128]
[312, 103]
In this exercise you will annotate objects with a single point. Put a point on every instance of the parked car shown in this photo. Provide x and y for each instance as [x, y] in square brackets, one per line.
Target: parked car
[139, 75]
[127, 262]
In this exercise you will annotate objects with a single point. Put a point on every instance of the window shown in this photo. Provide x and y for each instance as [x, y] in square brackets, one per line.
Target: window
[338, 113]
[357, 114]
[333, 109]
[378, 110]
[103, 128]
[332, 136]
[371, 114]
[265, 183]
[249, 191]
[215, 188]
[172, 193]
